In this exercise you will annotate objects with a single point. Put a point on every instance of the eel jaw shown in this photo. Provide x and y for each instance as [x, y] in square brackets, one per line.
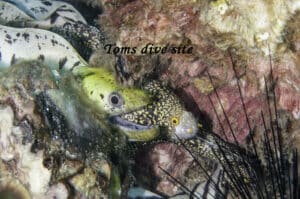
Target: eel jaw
[135, 132]
[188, 127]
[125, 124]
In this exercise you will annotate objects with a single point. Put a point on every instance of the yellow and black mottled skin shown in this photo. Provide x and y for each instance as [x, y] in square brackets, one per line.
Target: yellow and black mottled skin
[164, 111]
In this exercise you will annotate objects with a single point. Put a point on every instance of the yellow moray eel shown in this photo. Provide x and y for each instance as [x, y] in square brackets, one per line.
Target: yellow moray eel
[166, 111]
[101, 87]
[141, 118]
[140, 124]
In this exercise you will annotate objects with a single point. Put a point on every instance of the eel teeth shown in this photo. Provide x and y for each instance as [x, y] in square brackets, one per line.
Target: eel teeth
[128, 124]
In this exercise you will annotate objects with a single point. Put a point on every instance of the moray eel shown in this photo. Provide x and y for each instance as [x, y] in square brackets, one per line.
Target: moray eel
[121, 102]
[166, 111]
[100, 85]
[40, 13]
[30, 43]
[58, 17]
[9, 12]
[55, 16]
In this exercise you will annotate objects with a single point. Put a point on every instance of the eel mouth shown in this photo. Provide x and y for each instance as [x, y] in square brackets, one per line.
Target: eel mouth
[128, 125]
[134, 131]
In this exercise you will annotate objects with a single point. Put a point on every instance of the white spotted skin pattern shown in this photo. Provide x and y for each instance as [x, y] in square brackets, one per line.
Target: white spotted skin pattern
[163, 111]
[9, 12]
[56, 16]
[31, 44]
[42, 10]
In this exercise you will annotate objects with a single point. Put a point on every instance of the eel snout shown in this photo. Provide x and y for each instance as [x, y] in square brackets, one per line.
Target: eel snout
[187, 127]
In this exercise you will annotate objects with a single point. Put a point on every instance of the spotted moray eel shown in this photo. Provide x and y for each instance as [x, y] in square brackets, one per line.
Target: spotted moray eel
[37, 44]
[166, 111]
[40, 13]
[56, 16]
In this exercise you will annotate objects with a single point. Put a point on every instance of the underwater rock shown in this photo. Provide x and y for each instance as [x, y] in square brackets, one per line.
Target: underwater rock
[154, 160]
[58, 191]
[34, 172]
[224, 23]
[18, 86]
[233, 107]
[13, 189]
[6, 124]
[19, 83]
[292, 36]
[211, 28]
[252, 84]
[65, 169]
[86, 185]
[25, 143]
[22, 164]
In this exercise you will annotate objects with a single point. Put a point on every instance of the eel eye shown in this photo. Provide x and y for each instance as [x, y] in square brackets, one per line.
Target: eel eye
[115, 100]
[175, 121]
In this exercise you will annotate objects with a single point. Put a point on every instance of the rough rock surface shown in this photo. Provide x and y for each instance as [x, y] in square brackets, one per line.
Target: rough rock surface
[220, 32]
[166, 160]
[19, 120]
[210, 30]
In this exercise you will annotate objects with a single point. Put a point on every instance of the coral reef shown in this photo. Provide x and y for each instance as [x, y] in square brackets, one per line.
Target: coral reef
[169, 157]
[18, 121]
[20, 162]
[228, 52]
[212, 27]
[250, 37]
[31, 162]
